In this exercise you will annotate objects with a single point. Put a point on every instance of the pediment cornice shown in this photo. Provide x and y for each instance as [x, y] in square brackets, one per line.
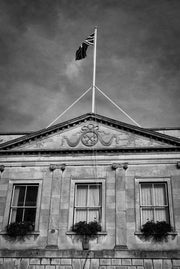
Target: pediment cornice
[64, 126]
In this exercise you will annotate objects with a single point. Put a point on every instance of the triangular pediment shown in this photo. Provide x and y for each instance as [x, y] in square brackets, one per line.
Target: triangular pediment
[91, 131]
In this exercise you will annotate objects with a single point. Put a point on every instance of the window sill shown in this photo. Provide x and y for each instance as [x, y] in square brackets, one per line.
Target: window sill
[32, 233]
[171, 233]
[99, 233]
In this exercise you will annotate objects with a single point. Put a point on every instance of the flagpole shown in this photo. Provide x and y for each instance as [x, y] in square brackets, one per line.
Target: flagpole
[94, 71]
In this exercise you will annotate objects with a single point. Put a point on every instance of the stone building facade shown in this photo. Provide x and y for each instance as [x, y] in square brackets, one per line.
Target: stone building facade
[90, 168]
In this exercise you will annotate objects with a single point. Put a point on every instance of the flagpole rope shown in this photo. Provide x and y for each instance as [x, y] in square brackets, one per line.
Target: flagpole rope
[69, 107]
[94, 71]
[117, 106]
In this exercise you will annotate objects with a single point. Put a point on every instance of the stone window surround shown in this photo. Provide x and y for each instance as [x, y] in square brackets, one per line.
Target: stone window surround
[13, 182]
[76, 180]
[139, 180]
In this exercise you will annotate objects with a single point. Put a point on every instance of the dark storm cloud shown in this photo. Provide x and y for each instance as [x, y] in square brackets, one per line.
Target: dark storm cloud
[138, 59]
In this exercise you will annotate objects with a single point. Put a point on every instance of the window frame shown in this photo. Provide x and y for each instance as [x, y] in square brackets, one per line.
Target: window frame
[13, 183]
[74, 182]
[151, 180]
[87, 208]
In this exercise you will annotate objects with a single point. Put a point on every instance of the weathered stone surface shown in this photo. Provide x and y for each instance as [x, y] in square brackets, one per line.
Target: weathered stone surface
[157, 264]
[116, 261]
[166, 264]
[176, 262]
[55, 261]
[105, 261]
[137, 262]
[126, 261]
[45, 261]
[65, 261]
[34, 261]
[148, 264]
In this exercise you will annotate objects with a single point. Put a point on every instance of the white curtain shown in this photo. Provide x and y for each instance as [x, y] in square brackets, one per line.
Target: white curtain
[153, 202]
[87, 199]
[160, 200]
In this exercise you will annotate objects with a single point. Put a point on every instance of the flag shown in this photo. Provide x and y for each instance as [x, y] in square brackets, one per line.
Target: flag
[81, 52]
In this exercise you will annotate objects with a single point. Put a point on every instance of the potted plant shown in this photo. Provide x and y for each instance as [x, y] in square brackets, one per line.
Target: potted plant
[86, 231]
[19, 230]
[157, 231]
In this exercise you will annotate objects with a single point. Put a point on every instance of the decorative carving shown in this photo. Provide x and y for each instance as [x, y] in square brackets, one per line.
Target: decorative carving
[89, 137]
[52, 167]
[115, 166]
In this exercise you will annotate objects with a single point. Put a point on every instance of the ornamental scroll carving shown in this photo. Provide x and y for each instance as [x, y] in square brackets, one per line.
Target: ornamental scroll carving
[90, 135]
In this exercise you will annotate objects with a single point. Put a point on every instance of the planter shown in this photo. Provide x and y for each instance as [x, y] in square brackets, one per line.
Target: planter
[19, 230]
[86, 231]
[85, 243]
[157, 231]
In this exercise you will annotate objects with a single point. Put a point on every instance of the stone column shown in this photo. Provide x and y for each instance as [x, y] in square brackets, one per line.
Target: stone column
[53, 229]
[120, 200]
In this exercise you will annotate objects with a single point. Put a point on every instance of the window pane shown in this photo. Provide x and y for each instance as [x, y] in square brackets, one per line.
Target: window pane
[18, 199]
[94, 215]
[31, 195]
[146, 215]
[17, 215]
[80, 215]
[161, 214]
[30, 214]
[159, 194]
[81, 196]
[146, 194]
[94, 195]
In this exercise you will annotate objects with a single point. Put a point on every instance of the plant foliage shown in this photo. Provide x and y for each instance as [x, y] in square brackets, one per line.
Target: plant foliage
[158, 231]
[18, 230]
[82, 228]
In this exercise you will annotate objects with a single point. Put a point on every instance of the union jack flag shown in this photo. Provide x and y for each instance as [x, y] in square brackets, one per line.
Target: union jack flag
[81, 52]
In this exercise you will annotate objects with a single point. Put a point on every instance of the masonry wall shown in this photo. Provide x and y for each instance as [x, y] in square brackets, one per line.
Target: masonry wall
[52, 248]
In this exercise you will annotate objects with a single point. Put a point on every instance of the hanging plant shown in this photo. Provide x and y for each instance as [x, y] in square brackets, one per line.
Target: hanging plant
[19, 230]
[86, 231]
[157, 231]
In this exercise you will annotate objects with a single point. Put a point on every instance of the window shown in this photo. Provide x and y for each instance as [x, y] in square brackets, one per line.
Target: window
[153, 199]
[88, 202]
[153, 202]
[24, 203]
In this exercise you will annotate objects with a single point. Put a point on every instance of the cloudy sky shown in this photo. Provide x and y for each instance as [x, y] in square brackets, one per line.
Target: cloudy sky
[138, 61]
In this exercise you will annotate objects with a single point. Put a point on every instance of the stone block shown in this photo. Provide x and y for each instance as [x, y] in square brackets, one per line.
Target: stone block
[137, 262]
[32, 267]
[116, 261]
[176, 262]
[94, 263]
[65, 261]
[126, 261]
[121, 267]
[140, 267]
[166, 264]
[105, 261]
[40, 266]
[55, 261]
[76, 263]
[45, 261]
[157, 264]
[34, 261]
[148, 264]
[50, 267]
[24, 263]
